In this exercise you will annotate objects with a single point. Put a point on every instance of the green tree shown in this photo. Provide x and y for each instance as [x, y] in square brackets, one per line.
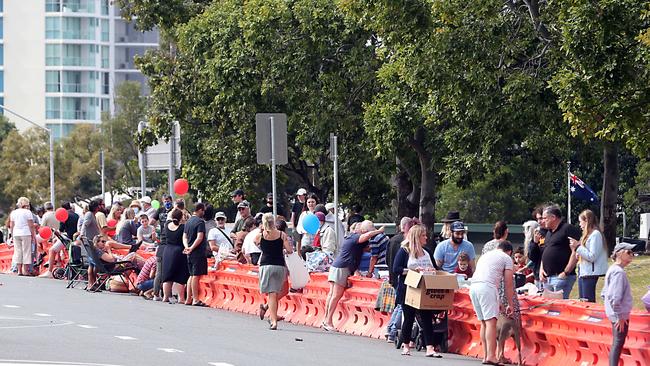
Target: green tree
[6, 126]
[24, 165]
[603, 84]
[236, 59]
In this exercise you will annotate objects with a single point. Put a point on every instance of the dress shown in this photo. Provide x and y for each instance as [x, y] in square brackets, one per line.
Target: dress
[174, 264]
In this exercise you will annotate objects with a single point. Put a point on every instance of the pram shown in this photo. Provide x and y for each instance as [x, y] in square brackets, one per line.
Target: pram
[440, 332]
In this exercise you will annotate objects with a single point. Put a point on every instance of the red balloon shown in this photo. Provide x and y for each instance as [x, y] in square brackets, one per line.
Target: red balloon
[181, 186]
[61, 214]
[111, 223]
[45, 232]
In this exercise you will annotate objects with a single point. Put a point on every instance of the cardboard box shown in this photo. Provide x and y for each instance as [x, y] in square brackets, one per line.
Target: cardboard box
[430, 291]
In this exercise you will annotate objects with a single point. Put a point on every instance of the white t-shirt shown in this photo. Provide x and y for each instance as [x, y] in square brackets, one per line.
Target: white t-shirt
[49, 219]
[217, 235]
[21, 218]
[490, 267]
[249, 245]
[423, 261]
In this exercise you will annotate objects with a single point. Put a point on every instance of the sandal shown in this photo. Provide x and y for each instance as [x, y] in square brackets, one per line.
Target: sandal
[406, 351]
[200, 303]
[273, 326]
[263, 309]
[328, 328]
[434, 354]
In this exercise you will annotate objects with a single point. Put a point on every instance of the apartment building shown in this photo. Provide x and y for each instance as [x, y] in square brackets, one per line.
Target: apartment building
[61, 60]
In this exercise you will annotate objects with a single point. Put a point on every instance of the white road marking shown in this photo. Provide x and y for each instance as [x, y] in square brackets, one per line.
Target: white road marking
[11, 306]
[42, 314]
[170, 350]
[43, 363]
[86, 326]
[126, 338]
[42, 324]
[220, 364]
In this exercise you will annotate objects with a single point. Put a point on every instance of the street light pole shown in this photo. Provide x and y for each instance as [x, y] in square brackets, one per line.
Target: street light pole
[51, 134]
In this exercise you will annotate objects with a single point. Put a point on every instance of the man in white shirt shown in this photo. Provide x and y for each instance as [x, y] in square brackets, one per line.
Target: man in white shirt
[220, 243]
[493, 266]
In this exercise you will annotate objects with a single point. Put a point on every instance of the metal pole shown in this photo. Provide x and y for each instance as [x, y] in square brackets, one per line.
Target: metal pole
[51, 166]
[101, 164]
[143, 165]
[275, 201]
[568, 192]
[172, 162]
[335, 155]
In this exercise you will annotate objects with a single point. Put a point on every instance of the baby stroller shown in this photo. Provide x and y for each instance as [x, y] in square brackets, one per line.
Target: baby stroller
[440, 333]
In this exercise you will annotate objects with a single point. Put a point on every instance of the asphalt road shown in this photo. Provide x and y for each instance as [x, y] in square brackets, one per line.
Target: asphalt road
[43, 323]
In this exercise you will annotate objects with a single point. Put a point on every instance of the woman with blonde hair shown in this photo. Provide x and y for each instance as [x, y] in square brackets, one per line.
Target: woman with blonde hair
[412, 256]
[592, 255]
[273, 271]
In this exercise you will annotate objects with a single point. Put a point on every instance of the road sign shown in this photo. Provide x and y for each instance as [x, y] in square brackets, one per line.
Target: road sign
[263, 137]
[157, 156]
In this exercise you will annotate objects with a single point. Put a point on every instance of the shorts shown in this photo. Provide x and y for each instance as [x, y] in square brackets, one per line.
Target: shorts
[197, 265]
[339, 276]
[485, 300]
[57, 246]
[145, 286]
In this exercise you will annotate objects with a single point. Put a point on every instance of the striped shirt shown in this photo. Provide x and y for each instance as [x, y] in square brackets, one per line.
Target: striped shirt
[378, 246]
[149, 265]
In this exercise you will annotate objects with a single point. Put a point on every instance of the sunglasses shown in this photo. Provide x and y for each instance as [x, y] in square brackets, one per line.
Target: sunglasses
[241, 208]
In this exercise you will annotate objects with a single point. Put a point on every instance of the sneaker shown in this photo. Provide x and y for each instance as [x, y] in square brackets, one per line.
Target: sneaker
[157, 298]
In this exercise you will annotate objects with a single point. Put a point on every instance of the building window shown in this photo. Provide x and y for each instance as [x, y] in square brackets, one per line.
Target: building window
[105, 7]
[106, 105]
[52, 6]
[2, 54]
[105, 31]
[2, 28]
[2, 81]
[52, 108]
[60, 130]
[105, 59]
[105, 83]
[52, 28]
[52, 81]
[52, 55]
[2, 6]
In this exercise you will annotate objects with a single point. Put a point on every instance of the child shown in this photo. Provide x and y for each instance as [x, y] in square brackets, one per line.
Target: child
[521, 265]
[463, 265]
[146, 233]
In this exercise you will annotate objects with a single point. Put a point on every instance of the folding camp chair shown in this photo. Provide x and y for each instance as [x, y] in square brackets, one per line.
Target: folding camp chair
[104, 270]
[76, 270]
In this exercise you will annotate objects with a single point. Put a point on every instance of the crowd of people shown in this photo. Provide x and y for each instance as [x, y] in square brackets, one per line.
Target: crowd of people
[553, 250]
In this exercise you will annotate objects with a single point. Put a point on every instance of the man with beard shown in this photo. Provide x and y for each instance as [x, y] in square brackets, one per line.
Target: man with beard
[446, 253]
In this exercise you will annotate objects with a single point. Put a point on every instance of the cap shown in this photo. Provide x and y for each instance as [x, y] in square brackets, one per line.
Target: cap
[457, 226]
[301, 192]
[269, 195]
[329, 206]
[145, 199]
[220, 215]
[237, 192]
[321, 216]
[244, 203]
[624, 246]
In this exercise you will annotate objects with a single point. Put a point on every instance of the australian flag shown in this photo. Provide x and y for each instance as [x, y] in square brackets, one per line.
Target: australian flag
[580, 190]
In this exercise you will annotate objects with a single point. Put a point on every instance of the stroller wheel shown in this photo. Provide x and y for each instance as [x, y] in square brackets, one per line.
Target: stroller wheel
[58, 273]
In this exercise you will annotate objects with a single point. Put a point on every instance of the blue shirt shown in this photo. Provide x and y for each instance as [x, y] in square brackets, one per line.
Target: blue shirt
[350, 254]
[445, 252]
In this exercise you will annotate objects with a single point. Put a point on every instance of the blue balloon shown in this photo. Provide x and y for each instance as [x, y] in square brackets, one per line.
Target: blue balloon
[311, 224]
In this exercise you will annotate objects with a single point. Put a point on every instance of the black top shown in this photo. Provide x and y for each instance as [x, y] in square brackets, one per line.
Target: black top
[70, 225]
[297, 210]
[193, 227]
[272, 252]
[162, 219]
[400, 262]
[393, 247]
[557, 251]
[174, 238]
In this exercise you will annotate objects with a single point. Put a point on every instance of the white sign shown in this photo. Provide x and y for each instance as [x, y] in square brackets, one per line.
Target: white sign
[157, 157]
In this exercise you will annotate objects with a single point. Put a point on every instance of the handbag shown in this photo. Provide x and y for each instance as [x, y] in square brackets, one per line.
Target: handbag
[385, 298]
[319, 261]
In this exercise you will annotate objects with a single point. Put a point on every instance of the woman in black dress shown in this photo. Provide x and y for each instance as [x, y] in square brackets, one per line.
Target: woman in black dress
[174, 268]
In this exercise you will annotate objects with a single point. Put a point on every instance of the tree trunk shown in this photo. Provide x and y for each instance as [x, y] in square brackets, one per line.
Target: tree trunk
[427, 181]
[408, 192]
[610, 194]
